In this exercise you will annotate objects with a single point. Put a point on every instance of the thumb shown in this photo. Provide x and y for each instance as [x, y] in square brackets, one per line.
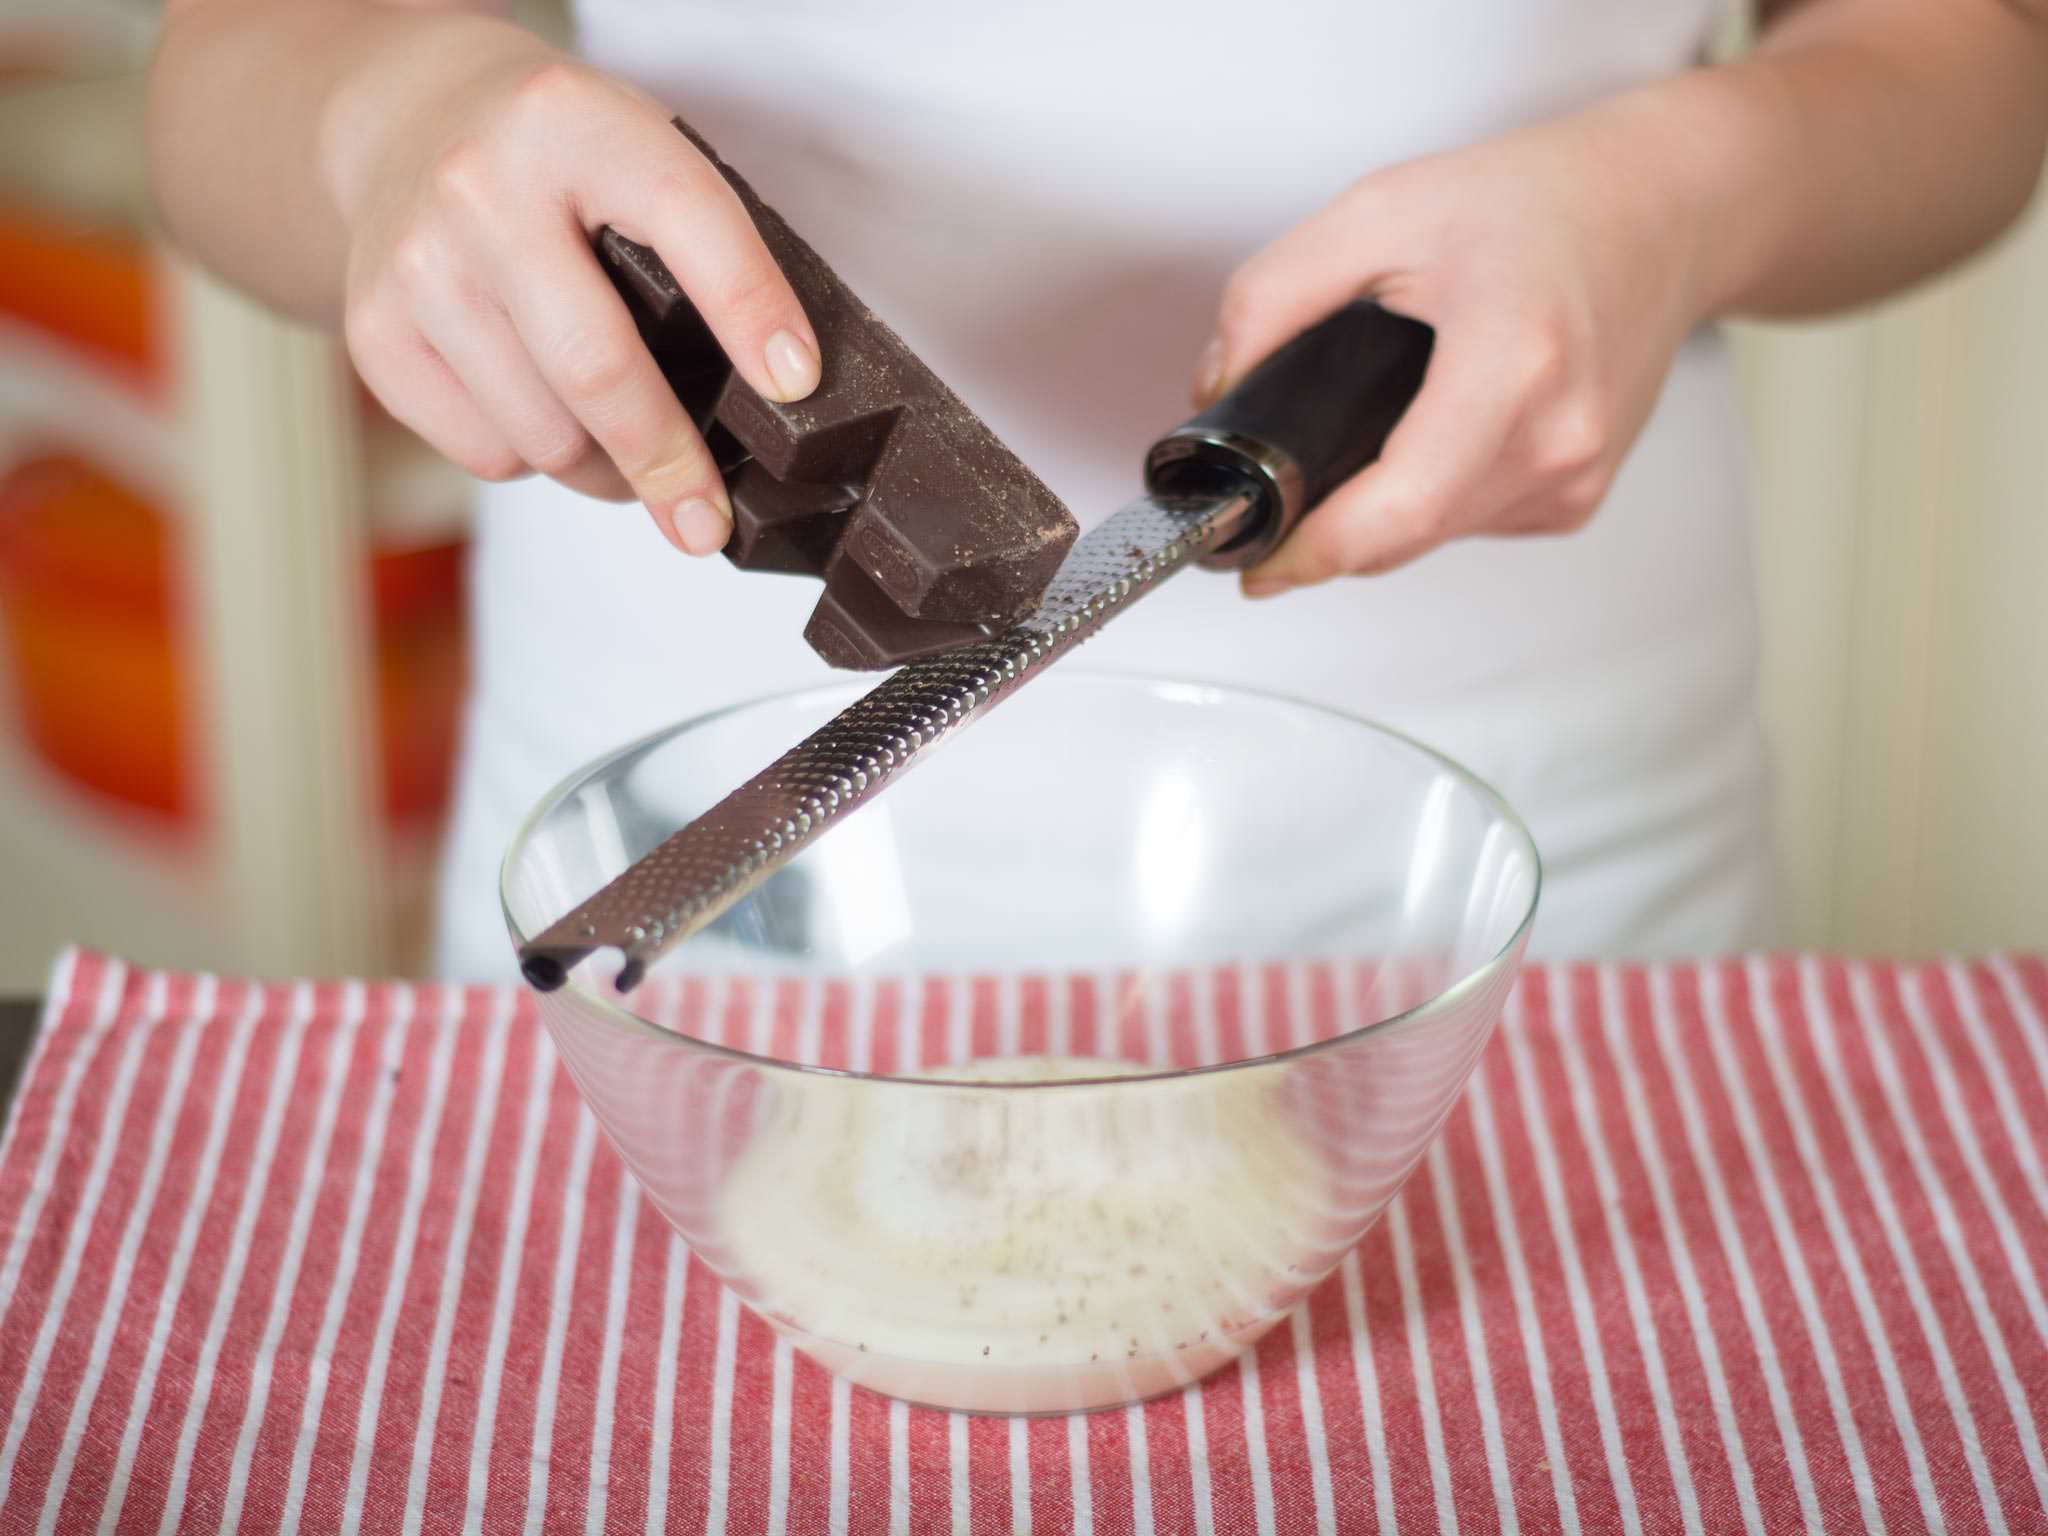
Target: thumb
[1436, 468]
[1309, 272]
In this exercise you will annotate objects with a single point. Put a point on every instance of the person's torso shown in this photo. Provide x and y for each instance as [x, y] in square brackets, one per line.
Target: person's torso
[1045, 200]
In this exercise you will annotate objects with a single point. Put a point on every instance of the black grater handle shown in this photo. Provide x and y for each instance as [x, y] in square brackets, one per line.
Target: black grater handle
[1300, 424]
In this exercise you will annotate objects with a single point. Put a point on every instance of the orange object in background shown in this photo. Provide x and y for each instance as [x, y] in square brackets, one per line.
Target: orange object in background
[420, 674]
[88, 288]
[85, 600]
[102, 678]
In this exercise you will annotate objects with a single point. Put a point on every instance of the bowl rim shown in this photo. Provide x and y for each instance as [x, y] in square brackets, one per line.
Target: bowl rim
[1440, 1002]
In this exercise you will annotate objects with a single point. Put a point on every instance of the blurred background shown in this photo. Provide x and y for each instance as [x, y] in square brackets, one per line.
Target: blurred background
[231, 592]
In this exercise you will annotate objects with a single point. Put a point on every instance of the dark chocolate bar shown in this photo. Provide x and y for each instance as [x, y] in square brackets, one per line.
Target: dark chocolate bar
[927, 531]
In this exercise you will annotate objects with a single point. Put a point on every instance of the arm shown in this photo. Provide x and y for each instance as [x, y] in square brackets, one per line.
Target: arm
[1861, 146]
[428, 177]
[262, 118]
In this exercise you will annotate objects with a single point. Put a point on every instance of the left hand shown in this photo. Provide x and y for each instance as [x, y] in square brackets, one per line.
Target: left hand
[1554, 264]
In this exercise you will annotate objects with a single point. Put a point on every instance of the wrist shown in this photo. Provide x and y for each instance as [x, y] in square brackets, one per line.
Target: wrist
[1707, 139]
[405, 75]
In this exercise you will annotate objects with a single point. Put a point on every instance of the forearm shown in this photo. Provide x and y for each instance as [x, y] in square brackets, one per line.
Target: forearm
[1863, 145]
[265, 117]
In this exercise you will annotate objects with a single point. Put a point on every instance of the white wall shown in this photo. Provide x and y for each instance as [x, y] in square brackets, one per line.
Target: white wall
[1902, 464]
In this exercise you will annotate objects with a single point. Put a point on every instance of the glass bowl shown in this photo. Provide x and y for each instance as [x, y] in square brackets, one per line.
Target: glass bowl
[1055, 1076]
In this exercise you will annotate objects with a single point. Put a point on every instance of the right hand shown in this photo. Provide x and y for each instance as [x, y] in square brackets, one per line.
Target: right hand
[475, 307]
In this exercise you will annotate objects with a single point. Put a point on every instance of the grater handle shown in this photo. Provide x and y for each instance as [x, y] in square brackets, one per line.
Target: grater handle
[1300, 424]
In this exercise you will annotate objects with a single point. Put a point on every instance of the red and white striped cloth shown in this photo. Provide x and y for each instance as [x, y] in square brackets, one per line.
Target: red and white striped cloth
[1756, 1246]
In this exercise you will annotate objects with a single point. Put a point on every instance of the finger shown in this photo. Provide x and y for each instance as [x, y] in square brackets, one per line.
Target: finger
[476, 340]
[600, 480]
[421, 392]
[1307, 273]
[576, 330]
[661, 192]
[1551, 509]
[1433, 479]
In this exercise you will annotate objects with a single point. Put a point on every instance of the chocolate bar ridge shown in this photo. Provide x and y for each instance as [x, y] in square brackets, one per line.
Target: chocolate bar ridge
[926, 530]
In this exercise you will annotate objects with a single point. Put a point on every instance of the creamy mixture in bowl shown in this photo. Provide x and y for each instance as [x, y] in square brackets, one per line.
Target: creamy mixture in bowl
[1079, 1245]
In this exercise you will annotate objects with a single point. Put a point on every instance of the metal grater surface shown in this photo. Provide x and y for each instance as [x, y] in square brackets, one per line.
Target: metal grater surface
[693, 877]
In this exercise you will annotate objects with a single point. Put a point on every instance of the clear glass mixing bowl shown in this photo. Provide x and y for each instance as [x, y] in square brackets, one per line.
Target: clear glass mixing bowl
[1056, 1075]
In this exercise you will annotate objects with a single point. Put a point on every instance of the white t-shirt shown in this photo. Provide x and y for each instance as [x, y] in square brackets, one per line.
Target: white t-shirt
[1045, 200]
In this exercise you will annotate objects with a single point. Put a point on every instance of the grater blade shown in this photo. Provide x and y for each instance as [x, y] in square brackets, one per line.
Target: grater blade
[693, 877]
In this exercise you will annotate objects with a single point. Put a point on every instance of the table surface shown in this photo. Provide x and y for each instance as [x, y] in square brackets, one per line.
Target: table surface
[18, 1017]
[1702, 1245]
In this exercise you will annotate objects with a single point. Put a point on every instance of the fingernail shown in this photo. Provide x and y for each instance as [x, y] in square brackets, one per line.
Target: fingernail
[1265, 586]
[792, 364]
[701, 526]
[1209, 372]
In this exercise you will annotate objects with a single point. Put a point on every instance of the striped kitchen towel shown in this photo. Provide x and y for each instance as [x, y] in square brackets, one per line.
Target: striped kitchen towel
[1749, 1246]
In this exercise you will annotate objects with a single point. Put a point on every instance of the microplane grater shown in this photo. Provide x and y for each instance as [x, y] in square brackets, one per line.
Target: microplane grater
[685, 883]
[1224, 489]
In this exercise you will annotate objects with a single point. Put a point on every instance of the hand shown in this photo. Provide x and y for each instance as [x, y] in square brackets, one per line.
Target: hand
[475, 307]
[1553, 263]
